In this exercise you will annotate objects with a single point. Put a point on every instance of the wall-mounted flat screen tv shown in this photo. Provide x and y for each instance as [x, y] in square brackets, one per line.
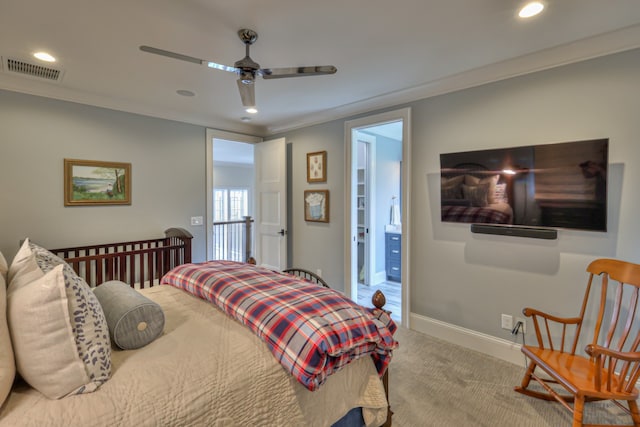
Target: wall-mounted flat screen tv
[561, 185]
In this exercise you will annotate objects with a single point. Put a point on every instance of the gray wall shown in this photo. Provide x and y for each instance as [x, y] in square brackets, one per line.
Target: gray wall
[456, 277]
[168, 173]
[317, 245]
[469, 280]
[466, 279]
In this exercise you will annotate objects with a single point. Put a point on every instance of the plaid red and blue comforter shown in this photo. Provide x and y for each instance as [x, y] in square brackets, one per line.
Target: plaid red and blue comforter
[474, 214]
[311, 330]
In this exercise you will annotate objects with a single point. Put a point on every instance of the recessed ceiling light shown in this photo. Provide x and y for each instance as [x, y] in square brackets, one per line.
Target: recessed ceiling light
[245, 119]
[44, 56]
[185, 92]
[531, 9]
[251, 110]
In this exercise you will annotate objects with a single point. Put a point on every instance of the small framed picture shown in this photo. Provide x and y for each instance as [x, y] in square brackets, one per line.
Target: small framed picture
[317, 166]
[91, 182]
[316, 205]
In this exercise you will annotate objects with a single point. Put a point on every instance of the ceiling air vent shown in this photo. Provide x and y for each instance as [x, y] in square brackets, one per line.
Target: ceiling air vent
[12, 65]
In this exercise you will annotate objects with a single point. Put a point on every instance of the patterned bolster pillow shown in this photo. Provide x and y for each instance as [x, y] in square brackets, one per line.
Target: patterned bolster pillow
[134, 320]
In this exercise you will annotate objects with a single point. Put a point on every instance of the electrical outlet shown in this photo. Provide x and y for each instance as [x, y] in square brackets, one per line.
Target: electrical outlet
[196, 220]
[523, 328]
[507, 321]
[319, 272]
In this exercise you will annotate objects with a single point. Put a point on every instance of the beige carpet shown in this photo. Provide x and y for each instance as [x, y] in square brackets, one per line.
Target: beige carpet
[435, 383]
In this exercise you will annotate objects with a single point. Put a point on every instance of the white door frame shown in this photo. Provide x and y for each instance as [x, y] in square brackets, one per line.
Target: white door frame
[350, 226]
[211, 135]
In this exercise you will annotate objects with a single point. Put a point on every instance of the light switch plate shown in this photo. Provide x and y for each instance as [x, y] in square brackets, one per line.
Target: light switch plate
[196, 220]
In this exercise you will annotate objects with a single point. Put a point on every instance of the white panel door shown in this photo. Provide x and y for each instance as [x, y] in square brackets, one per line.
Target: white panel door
[271, 204]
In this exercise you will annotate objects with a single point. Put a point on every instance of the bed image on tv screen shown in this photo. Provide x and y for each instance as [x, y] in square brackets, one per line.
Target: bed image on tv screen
[561, 185]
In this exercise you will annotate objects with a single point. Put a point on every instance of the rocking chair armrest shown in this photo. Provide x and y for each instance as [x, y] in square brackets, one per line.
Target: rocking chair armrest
[543, 329]
[531, 312]
[595, 350]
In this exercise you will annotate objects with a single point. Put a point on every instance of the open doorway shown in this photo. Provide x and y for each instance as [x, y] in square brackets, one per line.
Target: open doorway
[233, 199]
[377, 247]
[265, 163]
[230, 190]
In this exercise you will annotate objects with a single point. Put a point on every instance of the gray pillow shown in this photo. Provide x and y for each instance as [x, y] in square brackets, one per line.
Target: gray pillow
[477, 194]
[134, 320]
[450, 192]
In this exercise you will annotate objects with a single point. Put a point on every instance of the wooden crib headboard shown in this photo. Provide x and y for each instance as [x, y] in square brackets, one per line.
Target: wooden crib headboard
[140, 263]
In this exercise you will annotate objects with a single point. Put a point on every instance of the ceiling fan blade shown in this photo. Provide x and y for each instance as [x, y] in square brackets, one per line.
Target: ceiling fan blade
[278, 73]
[187, 58]
[247, 92]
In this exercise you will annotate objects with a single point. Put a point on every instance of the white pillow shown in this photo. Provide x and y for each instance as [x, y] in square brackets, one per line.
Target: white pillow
[23, 269]
[81, 323]
[44, 346]
[500, 195]
[7, 363]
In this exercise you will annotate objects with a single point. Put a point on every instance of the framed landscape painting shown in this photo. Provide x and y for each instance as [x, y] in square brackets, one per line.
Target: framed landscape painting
[91, 182]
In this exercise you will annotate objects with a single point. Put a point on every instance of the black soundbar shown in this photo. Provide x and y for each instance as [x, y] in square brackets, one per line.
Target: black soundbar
[515, 230]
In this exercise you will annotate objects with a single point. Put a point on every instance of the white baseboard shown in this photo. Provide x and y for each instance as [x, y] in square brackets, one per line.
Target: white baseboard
[380, 277]
[487, 344]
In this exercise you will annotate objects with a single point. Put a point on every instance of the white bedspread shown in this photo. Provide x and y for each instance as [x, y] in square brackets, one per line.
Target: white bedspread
[205, 370]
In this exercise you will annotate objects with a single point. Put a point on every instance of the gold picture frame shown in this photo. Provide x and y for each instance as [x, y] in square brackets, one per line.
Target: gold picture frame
[92, 182]
[317, 166]
[316, 205]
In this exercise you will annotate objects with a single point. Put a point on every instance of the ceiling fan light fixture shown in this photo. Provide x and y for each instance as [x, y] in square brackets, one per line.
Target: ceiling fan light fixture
[531, 9]
[247, 77]
[251, 110]
[44, 56]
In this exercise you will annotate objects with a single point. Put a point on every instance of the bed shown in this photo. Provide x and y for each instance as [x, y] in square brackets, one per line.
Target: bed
[204, 368]
[471, 193]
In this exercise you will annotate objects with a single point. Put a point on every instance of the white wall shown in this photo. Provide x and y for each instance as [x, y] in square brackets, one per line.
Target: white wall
[167, 166]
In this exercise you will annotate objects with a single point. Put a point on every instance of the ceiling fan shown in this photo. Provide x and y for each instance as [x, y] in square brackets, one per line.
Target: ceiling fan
[246, 68]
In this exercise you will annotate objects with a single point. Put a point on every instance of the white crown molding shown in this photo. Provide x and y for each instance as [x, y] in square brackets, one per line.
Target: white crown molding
[604, 44]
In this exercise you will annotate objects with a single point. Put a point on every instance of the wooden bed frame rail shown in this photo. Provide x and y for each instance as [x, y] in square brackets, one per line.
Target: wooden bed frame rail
[140, 263]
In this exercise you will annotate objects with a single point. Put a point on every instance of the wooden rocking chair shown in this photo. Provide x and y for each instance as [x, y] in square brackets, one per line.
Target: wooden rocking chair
[612, 367]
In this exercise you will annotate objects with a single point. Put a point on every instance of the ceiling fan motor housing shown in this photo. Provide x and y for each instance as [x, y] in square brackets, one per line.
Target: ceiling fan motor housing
[248, 37]
[247, 67]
